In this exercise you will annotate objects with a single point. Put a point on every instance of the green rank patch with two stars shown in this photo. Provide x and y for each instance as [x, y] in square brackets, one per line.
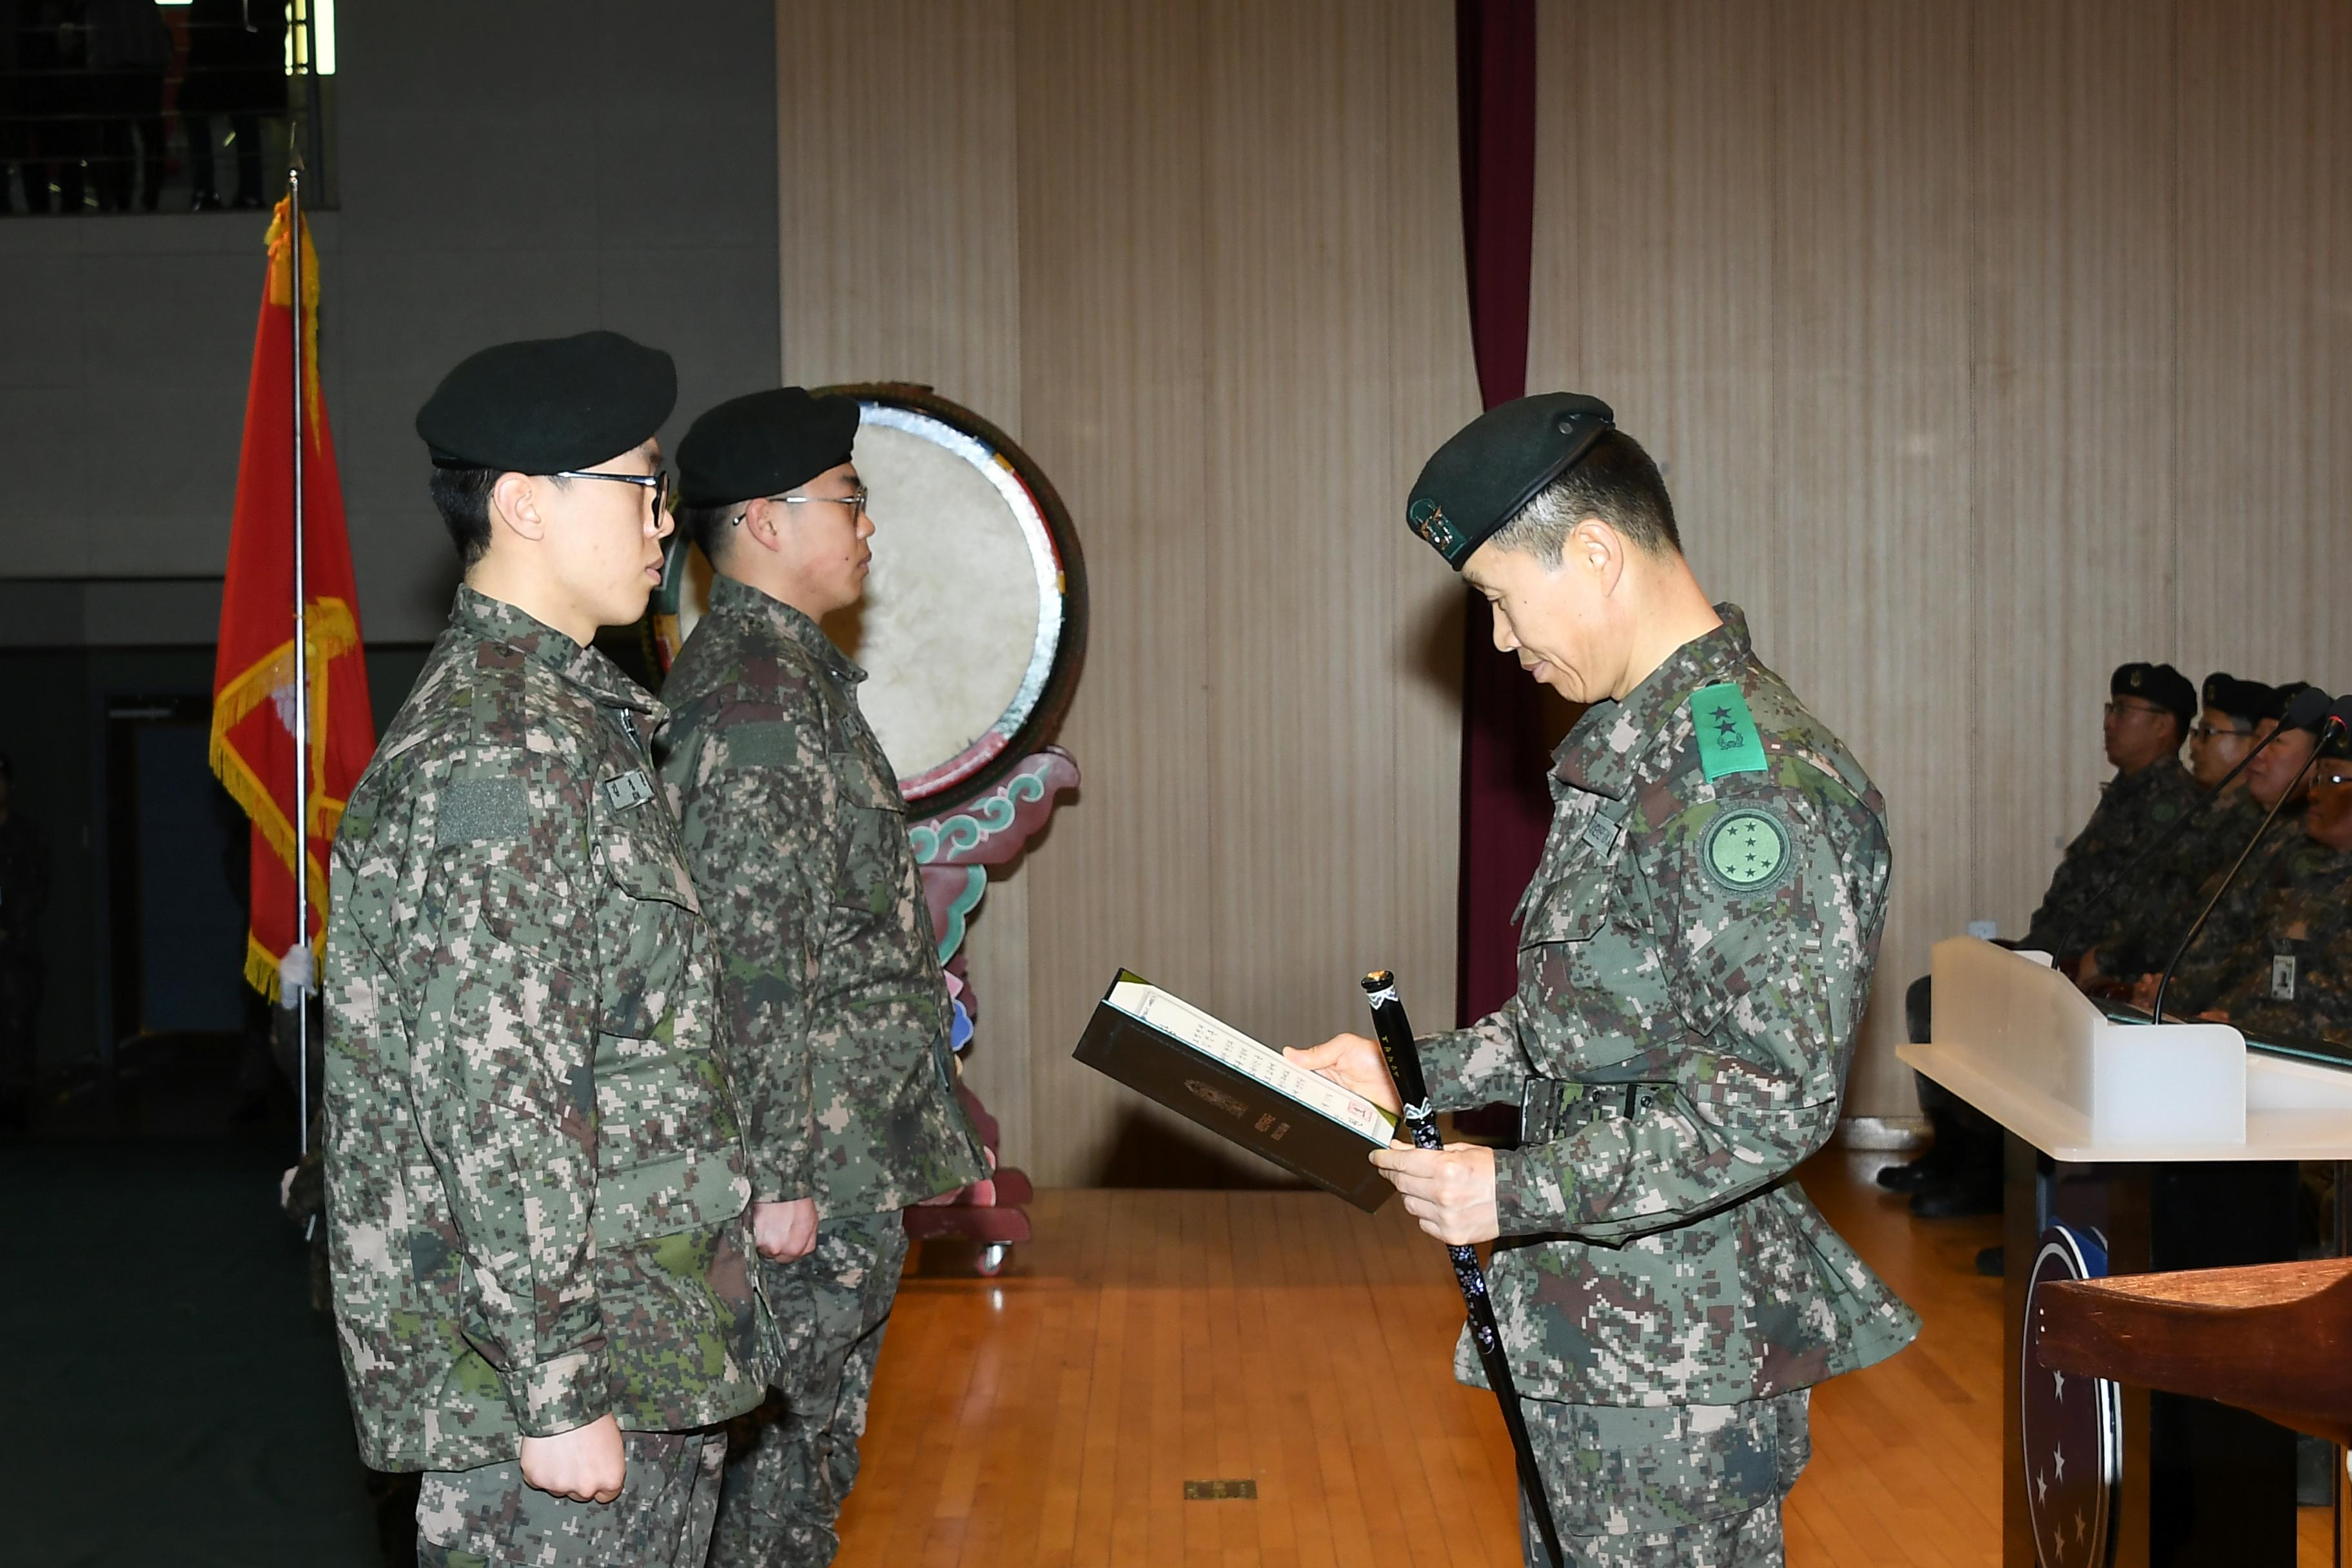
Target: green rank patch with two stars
[1746, 850]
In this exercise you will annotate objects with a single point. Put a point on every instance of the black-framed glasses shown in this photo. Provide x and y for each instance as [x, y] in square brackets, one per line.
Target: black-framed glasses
[657, 481]
[2117, 707]
[2200, 731]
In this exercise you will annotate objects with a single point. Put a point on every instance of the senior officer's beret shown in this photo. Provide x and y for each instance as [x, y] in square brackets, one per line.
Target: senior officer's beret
[2244, 700]
[2157, 683]
[1485, 475]
[548, 405]
[763, 445]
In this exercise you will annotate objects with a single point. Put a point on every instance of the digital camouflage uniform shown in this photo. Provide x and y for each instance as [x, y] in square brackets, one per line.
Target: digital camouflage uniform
[1696, 955]
[2133, 809]
[536, 1187]
[2291, 972]
[2285, 856]
[797, 835]
[2154, 904]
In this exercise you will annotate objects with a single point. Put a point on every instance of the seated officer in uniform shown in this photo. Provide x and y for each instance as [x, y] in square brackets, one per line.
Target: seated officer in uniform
[2143, 927]
[2145, 720]
[2298, 981]
[2278, 776]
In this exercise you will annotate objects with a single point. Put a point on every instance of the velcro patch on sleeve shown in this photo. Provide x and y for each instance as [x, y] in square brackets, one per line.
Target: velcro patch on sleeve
[475, 810]
[769, 744]
[1726, 729]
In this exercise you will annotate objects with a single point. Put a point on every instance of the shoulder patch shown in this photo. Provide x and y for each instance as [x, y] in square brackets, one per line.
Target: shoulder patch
[473, 810]
[768, 743]
[1727, 741]
[1746, 850]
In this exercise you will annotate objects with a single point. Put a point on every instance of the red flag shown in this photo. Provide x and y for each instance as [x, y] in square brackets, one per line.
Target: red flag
[253, 679]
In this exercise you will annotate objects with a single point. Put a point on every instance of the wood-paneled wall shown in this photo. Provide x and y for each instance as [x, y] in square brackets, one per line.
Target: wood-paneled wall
[1203, 260]
[1986, 346]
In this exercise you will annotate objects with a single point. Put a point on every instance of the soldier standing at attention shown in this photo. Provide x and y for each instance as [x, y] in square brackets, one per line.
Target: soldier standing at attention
[1695, 958]
[536, 1187]
[797, 835]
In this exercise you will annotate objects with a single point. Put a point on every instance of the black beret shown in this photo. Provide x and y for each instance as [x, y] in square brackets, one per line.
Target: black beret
[2157, 683]
[763, 445]
[2287, 692]
[549, 404]
[1485, 475]
[2245, 700]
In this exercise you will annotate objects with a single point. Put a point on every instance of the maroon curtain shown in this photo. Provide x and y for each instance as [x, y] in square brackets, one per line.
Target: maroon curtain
[1506, 804]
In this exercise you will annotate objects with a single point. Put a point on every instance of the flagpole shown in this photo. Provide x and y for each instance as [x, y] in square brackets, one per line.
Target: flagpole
[301, 692]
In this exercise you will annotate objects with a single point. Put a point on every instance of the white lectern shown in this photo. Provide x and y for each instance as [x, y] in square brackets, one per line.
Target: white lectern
[2178, 1146]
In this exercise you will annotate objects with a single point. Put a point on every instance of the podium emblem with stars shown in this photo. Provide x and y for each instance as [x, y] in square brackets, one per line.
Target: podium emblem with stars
[2073, 1426]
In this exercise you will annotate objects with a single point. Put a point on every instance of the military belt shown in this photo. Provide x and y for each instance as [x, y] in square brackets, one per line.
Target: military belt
[1553, 1109]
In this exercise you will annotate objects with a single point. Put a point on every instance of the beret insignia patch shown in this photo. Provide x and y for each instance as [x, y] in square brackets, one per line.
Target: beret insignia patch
[1746, 850]
[1428, 520]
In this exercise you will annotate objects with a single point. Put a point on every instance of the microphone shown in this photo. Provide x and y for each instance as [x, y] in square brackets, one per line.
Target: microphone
[2304, 710]
[2339, 722]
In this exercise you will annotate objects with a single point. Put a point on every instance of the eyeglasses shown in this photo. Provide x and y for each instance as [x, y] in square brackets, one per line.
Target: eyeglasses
[2116, 709]
[657, 482]
[2201, 730]
[855, 500]
[2332, 776]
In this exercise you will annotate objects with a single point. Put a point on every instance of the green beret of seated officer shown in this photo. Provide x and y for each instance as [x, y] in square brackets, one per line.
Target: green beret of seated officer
[2242, 702]
[763, 445]
[549, 404]
[2157, 684]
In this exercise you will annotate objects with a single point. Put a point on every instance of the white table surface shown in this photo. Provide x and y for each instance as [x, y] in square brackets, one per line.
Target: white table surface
[2063, 1133]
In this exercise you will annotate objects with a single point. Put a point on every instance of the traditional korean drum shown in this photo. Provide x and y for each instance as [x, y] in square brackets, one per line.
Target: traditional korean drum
[973, 623]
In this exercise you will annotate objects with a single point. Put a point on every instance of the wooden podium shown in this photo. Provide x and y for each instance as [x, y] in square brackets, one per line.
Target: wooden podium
[2177, 1149]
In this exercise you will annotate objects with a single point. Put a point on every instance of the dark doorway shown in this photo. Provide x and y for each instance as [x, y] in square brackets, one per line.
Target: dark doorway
[177, 870]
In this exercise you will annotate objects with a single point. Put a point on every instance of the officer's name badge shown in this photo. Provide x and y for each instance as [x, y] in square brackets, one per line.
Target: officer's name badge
[632, 788]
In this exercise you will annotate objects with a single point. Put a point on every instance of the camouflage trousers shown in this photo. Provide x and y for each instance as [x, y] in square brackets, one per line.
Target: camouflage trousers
[787, 1478]
[490, 1515]
[1683, 1485]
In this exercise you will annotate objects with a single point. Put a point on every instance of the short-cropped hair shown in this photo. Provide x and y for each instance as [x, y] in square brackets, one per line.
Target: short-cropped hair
[711, 528]
[1616, 482]
[462, 497]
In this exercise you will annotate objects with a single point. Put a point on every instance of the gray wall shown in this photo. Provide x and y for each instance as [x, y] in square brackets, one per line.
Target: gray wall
[518, 169]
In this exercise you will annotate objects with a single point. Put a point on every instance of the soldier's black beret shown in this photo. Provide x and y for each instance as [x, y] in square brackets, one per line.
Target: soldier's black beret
[1485, 475]
[763, 445]
[2157, 683]
[2244, 700]
[548, 405]
[2286, 693]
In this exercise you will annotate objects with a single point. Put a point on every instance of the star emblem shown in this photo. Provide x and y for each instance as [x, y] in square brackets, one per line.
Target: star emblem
[2058, 1459]
[2058, 1381]
[2082, 1527]
[2041, 1487]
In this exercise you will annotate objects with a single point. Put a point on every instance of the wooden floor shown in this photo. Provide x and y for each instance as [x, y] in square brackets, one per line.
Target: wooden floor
[1147, 1338]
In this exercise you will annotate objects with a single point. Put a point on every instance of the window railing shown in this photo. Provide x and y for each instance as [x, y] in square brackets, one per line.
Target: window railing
[125, 106]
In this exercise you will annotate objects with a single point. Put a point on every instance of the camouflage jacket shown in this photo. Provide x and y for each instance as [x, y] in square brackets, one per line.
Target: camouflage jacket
[2153, 905]
[2290, 879]
[2295, 980]
[797, 835]
[1695, 958]
[2133, 809]
[535, 1182]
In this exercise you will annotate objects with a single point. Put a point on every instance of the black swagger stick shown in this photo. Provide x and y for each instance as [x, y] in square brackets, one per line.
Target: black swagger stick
[1397, 1049]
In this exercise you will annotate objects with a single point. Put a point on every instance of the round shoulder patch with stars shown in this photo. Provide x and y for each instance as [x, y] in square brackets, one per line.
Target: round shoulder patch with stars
[1746, 849]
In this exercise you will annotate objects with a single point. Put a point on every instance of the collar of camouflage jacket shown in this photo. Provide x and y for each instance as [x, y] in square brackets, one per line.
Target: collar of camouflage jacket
[495, 620]
[1603, 752]
[734, 599]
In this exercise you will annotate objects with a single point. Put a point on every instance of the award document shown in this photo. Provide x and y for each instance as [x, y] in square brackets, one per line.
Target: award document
[1207, 1072]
